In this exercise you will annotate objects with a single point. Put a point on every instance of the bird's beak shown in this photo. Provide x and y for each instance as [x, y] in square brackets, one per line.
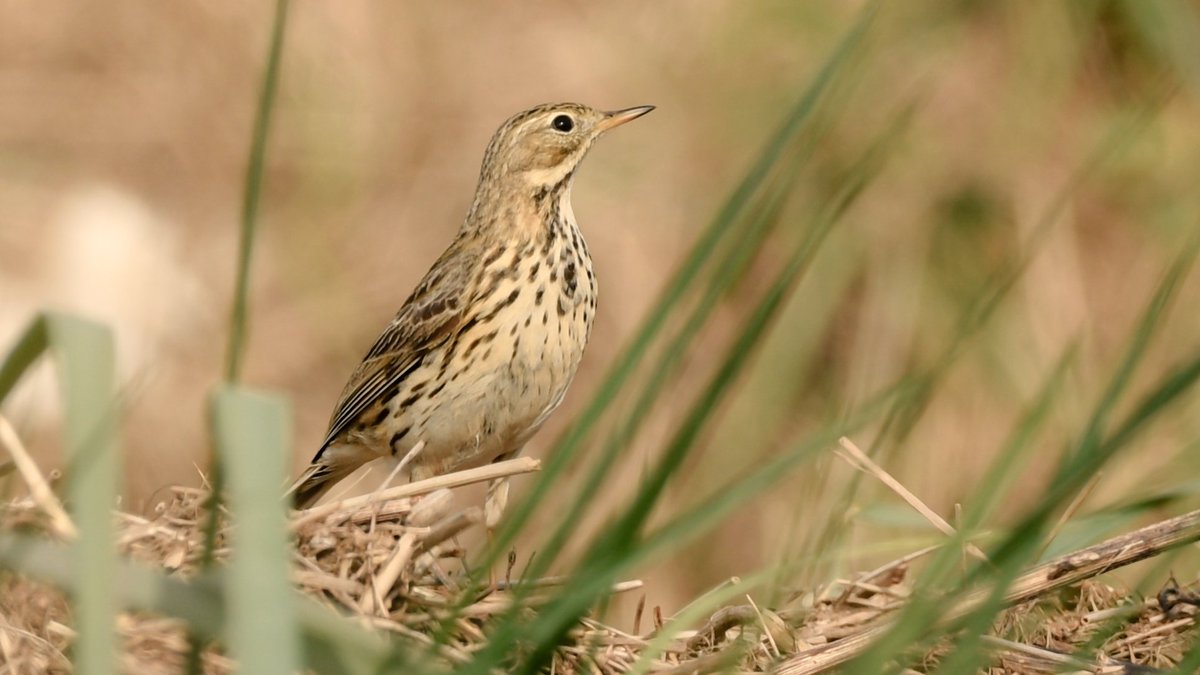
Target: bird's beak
[618, 117]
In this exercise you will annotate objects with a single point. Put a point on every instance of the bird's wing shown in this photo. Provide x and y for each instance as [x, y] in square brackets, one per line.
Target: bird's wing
[432, 314]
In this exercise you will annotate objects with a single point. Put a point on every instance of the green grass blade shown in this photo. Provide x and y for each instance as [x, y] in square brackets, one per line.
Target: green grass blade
[251, 435]
[1172, 30]
[1017, 449]
[24, 352]
[691, 615]
[251, 194]
[85, 355]
[87, 372]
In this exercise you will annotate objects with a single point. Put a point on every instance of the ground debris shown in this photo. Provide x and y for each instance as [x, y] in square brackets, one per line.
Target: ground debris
[395, 564]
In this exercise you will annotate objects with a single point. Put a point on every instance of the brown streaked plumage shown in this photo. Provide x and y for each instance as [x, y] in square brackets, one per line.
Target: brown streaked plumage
[485, 347]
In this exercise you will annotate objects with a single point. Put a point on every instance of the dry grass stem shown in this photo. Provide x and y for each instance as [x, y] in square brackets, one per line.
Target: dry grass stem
[39, 488]
[391, 561]
[512, 467]
[1061, 572]
[859, 460]
[1070, 511]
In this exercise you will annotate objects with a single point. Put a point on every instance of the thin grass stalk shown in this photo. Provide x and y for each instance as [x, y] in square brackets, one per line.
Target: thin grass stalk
[29, 346]
[249, 226]
[1019, 446]
[1172, 30]
[693, 613]
[1094, 449]
[251, 194]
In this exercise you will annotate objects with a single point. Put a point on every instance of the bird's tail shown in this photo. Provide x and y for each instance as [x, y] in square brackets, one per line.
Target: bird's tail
[330, 466]
[311, 485]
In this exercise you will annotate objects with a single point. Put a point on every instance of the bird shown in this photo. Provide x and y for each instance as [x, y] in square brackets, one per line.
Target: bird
[485, 347]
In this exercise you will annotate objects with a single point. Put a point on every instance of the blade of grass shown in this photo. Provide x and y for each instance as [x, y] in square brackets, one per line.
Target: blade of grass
[1018, 448]
[251, 195]
[30, 344]
[87, 368]
[86, 358]
[251, 434]
[696, 610]
[1172, 30]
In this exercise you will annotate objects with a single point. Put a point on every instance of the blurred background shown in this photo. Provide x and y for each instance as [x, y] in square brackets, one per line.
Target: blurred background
[124, 133]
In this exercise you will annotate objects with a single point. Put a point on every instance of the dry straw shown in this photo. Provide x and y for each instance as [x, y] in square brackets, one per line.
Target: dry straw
[390, 559]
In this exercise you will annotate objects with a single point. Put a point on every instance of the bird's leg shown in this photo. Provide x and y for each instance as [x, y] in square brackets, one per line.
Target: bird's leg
[497, 499]
[493, 508]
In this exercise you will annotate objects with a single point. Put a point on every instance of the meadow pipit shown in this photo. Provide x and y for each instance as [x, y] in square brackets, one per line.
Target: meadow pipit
[483, 350]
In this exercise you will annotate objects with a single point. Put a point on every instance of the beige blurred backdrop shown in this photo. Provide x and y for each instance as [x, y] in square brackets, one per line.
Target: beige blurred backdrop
[124, 131]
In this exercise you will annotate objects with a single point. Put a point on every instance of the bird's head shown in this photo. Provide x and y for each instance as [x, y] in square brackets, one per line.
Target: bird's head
[542, 146]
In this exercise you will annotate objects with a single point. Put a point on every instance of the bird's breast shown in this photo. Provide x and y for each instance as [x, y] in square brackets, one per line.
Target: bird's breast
[509, 365]
[538, 336]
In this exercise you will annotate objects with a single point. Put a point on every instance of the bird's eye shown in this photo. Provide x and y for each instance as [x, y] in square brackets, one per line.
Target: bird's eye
[563, 123]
